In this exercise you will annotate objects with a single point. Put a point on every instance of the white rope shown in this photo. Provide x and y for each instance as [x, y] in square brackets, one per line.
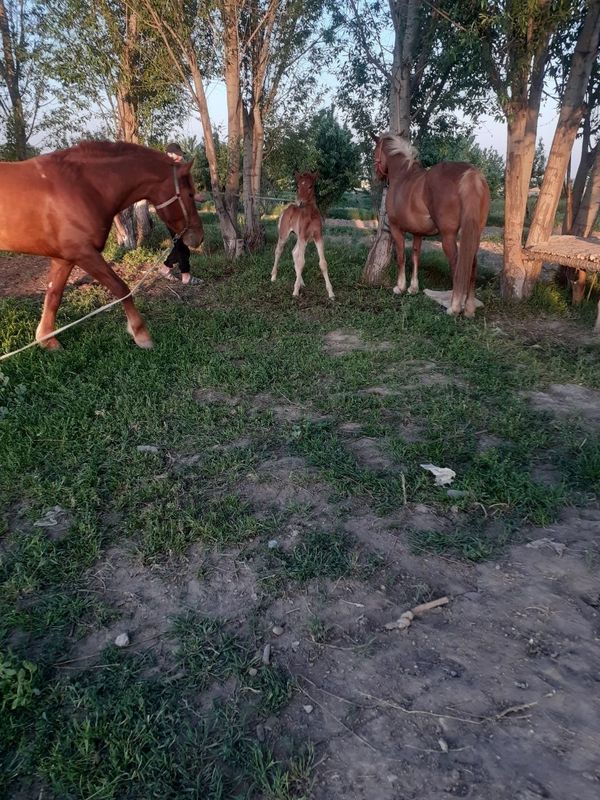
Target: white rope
[105, 307]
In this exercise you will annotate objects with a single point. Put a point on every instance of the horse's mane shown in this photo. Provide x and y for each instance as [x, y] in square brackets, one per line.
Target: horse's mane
[95, 148]
[398, 145]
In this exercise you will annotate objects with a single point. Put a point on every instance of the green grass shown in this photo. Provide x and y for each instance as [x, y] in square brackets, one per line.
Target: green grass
[70, 425]
[111, 733]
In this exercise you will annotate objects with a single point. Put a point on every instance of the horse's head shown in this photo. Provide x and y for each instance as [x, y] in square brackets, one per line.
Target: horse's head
[305, 183]
[174, 202]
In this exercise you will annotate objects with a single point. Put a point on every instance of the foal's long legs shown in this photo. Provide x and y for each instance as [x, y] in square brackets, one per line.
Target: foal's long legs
[283, 237]
[323, 266]
[416, 254]
[298, 254]
[398, 237]
[93, 263]
[57, 279]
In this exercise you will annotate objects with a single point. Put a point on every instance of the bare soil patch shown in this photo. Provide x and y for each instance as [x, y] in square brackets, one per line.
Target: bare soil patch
[568, 399]
[487, 697]
[342, 341]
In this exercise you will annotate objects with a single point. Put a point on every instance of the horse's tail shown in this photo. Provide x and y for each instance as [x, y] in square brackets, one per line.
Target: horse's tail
[474, 206]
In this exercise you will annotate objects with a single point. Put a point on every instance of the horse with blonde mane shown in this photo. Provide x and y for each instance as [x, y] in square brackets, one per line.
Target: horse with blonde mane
[305, 220]
[62, 205]
[450, 198]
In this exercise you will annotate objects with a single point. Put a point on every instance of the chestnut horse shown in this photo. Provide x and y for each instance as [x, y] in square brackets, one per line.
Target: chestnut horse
[62, 205]
[304, 219]
[448, 198]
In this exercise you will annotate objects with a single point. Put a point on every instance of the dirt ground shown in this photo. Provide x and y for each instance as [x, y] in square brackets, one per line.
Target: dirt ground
[494, 696]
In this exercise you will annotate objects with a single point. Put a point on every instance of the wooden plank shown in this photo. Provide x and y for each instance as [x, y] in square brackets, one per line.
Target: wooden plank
[569, 251]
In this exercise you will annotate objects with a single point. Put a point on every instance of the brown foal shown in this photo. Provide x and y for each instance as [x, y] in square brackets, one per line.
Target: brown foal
[448, 198]
[304, 219]
[62, 205]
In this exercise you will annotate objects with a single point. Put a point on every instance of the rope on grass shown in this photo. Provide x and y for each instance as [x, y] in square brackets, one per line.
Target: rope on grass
[143, 279]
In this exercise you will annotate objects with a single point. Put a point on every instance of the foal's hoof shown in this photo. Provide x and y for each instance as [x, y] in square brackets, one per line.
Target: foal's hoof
[413, 290]
[398, 290]
[273, 278]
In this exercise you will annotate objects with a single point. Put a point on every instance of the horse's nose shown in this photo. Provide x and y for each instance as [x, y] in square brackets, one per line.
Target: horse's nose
[194, 238]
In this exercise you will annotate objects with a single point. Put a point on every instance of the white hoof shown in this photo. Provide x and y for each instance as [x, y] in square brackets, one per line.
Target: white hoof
[398, 290]
[413, 290]
[273, 278]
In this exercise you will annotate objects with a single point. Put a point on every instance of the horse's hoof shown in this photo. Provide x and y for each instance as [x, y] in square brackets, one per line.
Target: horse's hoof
[52, 345]
[413, 290]
[142, 339]
[332, 297]
[398, 290]
[273, 278]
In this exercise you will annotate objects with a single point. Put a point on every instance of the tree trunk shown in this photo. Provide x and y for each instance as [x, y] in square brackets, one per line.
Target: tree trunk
[588, 208]
[568, 218]
[226, 206]
[571, 113]
[405, 19]
[254, 234]
[125, 229]
[520, 149]
[135, 222]
[234, 118]
[182, 49]
[11, 70]
[585, 164]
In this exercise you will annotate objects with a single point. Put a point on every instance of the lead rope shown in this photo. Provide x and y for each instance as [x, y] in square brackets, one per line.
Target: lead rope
[156, 266]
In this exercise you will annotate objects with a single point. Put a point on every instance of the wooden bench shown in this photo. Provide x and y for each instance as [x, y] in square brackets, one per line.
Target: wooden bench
[576, 252]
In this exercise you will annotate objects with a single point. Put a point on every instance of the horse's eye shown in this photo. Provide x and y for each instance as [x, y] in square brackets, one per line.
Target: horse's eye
[191, 194]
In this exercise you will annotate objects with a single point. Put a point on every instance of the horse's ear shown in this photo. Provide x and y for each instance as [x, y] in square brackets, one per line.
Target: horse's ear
[374, 137]
[297, 176]
[316, 176]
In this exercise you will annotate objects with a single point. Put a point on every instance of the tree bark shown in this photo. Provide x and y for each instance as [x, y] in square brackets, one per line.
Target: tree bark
[520, 152]
[226, 211]
[522, 114]
[180, 48]
[254, 234]
[234, 117]
[405, 19]
[571, 114]
[9, 70]
[590, 204]
[585, 164]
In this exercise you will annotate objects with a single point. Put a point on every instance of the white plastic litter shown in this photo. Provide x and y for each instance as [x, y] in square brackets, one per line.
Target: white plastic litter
[443, 475]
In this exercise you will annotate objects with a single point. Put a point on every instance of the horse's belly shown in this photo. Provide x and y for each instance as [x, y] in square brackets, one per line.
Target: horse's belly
[417, 225]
